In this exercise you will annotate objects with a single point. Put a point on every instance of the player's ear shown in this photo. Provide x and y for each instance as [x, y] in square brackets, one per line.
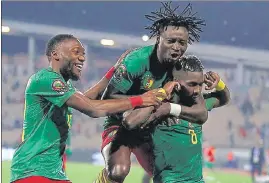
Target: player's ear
[158, 40]
[55, 55]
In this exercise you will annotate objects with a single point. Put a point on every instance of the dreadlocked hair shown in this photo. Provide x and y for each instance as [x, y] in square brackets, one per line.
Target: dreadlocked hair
[54, 41]
[190, 63]
[167, 16]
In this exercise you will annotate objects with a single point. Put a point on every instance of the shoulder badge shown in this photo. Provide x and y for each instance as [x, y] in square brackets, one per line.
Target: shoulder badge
[120, 73]
[59, 86]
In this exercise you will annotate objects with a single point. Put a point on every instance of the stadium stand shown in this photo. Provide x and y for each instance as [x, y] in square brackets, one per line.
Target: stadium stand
[247, 112]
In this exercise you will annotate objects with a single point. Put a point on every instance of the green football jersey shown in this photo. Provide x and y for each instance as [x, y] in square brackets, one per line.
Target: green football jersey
[178, 151]
[138, 77]
[45, 128]
[68, 150]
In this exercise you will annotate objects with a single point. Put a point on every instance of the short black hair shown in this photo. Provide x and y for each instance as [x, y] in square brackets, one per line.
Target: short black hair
[189, 63]
[54, 41]
[167, 16]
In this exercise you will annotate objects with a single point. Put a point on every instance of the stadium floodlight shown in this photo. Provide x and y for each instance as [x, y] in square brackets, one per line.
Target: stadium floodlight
[107, 42]
[5, 29]
[145, 38]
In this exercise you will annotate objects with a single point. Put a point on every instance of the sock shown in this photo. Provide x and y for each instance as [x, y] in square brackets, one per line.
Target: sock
[103, 178]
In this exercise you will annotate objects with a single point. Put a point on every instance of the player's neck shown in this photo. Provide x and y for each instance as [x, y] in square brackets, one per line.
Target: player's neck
[57, 69]
[157, 68]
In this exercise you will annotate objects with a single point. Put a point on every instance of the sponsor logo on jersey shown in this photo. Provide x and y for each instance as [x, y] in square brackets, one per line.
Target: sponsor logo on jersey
[59, 86]
[147, 80]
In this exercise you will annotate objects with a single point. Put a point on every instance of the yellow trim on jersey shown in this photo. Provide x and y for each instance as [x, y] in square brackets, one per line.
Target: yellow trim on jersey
[193, 137]
[69, 117]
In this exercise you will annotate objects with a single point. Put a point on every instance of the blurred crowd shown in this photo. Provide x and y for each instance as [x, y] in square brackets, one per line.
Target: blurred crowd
[239, 124]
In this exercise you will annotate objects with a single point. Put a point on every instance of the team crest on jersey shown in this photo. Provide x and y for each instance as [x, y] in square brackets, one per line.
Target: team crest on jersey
[120, 73]
[59, 86]
[147, 80]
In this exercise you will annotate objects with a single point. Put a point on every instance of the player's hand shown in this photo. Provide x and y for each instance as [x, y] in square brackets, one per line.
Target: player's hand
[211, 79]
[170, 121]
[163, 110]
[153, 98]
[169, 88]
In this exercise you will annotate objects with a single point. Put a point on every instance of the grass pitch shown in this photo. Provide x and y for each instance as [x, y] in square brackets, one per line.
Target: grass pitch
[86, 173]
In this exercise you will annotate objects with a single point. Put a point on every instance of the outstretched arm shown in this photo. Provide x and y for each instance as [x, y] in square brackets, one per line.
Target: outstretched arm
[101, 108]
[96, 91]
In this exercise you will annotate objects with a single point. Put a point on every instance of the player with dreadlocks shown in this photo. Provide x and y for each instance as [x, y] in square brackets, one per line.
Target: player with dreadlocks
[178, 149]
[143, 69]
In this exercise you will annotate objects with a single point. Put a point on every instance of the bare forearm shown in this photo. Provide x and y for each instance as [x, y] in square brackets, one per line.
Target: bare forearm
[109, 107]
[118, 96]
[98, 108]
[95, 91]
[223, 97]
[195, 114]
[135, 118]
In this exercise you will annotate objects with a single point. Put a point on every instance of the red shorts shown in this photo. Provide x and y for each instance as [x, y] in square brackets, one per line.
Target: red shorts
[64, 161]
[131, 139]
[39, 179]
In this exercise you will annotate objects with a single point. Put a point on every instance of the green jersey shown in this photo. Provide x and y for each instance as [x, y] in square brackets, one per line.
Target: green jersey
[134, 77]
[45, 127]
[178, 151]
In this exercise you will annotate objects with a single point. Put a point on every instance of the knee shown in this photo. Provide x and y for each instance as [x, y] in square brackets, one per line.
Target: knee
[129, 124]
[118, 172]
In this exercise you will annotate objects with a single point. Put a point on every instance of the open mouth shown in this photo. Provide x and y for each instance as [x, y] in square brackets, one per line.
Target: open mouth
[79, 66]
[175, 55]
[195, 96]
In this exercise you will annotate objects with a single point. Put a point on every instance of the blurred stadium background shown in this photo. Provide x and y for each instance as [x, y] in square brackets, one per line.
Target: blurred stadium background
[234, 43]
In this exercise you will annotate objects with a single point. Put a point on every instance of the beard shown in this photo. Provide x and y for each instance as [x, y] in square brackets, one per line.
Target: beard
[181, 97]
[170, 60]
[67, 71]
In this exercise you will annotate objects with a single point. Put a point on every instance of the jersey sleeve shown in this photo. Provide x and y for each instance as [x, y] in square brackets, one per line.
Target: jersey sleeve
[122, 80]
[51, 87]
[133, 66]
[210, 102]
